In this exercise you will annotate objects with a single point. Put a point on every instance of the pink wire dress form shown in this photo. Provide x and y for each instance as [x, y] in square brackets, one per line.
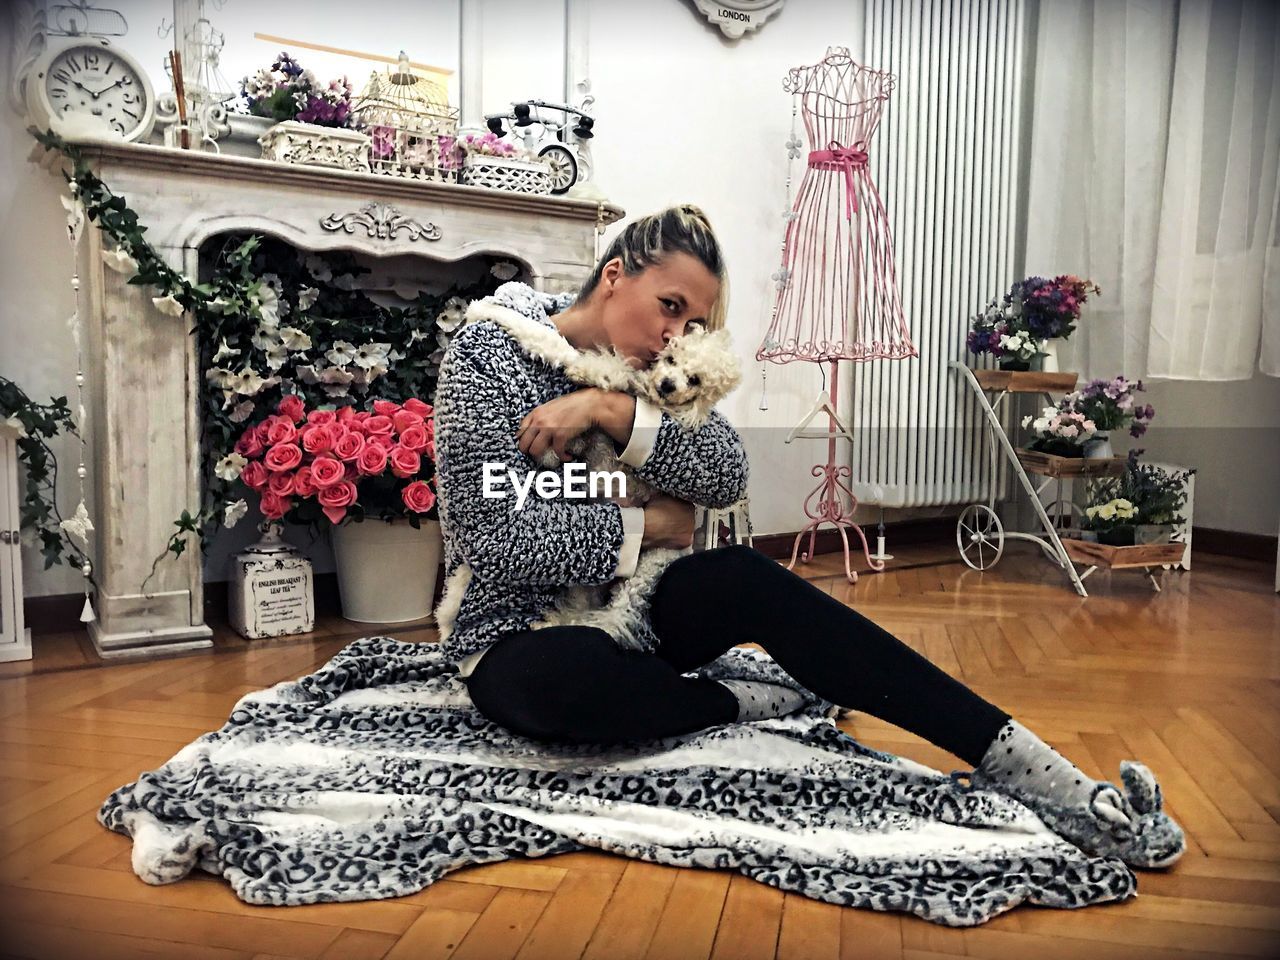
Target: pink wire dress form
[838, 293]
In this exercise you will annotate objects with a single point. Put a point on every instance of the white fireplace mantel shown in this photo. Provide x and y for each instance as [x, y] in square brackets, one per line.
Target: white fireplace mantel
[142, 373]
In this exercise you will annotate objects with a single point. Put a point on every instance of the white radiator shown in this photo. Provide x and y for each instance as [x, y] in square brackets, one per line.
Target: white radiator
[946, 161]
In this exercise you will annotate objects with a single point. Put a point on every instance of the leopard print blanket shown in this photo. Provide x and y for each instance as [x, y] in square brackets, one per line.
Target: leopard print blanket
[375, 776]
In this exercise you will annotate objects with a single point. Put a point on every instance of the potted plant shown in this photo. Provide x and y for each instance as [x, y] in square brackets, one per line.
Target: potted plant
[1062, 433]
[371, 473]
[1157, 495]
[1021, 329]
[1111, 521]
[1111, 405]
[312, 121]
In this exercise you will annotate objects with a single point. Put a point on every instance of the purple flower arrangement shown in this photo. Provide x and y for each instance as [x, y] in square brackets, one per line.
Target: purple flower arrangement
[1111, 405]
[288, 92]
[1035, 308]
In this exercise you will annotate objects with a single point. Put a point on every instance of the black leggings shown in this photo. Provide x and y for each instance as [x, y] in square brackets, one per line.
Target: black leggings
[574, 684]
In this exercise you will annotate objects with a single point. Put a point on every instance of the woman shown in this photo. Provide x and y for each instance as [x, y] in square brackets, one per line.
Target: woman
[503, 400]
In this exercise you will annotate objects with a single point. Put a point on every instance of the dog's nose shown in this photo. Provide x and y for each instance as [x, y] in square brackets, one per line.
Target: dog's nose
[666, 386]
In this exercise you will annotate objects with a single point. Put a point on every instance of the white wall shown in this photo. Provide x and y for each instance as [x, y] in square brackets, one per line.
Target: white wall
[683, 115]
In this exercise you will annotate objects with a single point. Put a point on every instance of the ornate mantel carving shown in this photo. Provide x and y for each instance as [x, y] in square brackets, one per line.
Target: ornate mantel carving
[143, 368]
[381, 221]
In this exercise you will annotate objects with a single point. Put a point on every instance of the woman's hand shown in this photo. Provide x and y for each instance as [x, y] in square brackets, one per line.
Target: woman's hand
[553, 424]
[668, 522]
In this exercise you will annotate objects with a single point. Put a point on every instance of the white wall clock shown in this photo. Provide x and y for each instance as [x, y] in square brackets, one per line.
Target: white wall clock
[83, 83]
[736, 17]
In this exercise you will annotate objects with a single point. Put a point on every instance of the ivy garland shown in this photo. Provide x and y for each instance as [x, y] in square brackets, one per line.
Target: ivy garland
[272, 321]
[36, 424]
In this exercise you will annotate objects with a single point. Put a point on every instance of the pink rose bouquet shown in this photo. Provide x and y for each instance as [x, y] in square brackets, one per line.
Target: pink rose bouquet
[363, 463]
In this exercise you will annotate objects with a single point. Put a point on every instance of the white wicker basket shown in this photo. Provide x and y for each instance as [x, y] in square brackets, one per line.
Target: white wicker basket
[506, 173]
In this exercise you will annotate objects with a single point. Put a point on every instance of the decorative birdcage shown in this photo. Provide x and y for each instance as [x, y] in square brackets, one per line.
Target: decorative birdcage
[412, 125]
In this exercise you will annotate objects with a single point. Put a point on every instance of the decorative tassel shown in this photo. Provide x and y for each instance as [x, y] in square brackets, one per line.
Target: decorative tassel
[87, 615]
[764, 400]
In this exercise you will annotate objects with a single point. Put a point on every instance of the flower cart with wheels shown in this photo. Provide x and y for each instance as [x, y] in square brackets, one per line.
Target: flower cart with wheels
[980, 535]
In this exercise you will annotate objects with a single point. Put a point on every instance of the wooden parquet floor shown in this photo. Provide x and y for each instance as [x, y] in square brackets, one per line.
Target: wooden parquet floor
[1184, 680]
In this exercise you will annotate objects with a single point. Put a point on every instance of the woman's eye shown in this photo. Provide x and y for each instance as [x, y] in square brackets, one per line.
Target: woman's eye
[671, 305]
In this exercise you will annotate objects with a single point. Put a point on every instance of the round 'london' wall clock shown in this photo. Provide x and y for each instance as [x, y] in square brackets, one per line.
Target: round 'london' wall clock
[736, 17]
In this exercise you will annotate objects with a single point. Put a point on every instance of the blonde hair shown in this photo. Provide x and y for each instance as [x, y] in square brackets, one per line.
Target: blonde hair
[649, 240]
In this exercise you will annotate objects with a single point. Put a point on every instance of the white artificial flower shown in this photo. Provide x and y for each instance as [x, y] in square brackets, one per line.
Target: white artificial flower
[265, 338]
[247, 383]
[294, 339]
[224, 352]
[317, 267]
[234, 513]
[79, 525]
[307, 296]
[416, 336]
[345, 282]
[229, 467]
[220, 377]
[395, 355]
[330, 375]
[336, 390]
[222, 305]
[273, 281]
[120, 261]
[277, 356]
[341, 354]
[268, 306]
[451, 317]
[75, 214]
[307, 374]
[1107, 511]
[168, 304]
[371, 354]
[241, 412]
[17, 424]
[437, 358]
[504, 270]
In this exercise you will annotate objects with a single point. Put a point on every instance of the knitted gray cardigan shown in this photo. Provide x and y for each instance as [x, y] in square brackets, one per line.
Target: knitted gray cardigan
[495, 370]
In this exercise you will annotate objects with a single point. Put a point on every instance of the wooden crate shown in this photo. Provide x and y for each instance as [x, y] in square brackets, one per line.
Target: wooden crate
[1119, 558]
[1050, 465]
[1026, 381]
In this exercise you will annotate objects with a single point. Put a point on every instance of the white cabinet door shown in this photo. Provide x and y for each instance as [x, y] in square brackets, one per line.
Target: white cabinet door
[15, 641]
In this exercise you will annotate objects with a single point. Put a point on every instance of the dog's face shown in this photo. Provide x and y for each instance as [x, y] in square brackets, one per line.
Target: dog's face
[693, 373]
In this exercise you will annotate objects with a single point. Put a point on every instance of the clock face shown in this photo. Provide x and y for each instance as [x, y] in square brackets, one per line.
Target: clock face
[94, 82]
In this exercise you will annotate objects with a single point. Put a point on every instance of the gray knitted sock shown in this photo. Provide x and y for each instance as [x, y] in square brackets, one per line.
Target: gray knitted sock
[758, 700]
[1021, 763]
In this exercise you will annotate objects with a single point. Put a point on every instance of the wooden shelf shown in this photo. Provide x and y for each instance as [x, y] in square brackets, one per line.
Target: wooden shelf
[1050, 465]
[1026, 381]
[1120, 558]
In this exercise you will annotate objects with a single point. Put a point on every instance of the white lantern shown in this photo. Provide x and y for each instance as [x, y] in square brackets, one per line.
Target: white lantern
[271, 591]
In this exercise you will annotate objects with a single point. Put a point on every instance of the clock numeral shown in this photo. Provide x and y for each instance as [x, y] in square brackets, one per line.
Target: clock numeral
[57, 92]
[128, 98]
[91, 61]
[131, 113]
[62, 75]
[110, 64]
[71, 62]
[126, 81]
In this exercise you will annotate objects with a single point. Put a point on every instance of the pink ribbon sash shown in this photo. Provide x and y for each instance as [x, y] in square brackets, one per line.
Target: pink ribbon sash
[848, 159]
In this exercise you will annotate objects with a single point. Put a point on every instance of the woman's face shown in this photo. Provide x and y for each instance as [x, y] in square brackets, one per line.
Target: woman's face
[641, 313]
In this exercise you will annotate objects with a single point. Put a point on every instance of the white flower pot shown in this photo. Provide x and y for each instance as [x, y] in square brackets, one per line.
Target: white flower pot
[316, 146]
[1098, 447]
[387, 571]
[1049, 356]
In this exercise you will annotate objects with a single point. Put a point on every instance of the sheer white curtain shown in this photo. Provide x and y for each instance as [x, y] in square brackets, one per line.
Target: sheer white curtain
[1153, 171]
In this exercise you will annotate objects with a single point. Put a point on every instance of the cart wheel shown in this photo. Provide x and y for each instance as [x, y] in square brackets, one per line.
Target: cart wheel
[564, 168]
[980, 537]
